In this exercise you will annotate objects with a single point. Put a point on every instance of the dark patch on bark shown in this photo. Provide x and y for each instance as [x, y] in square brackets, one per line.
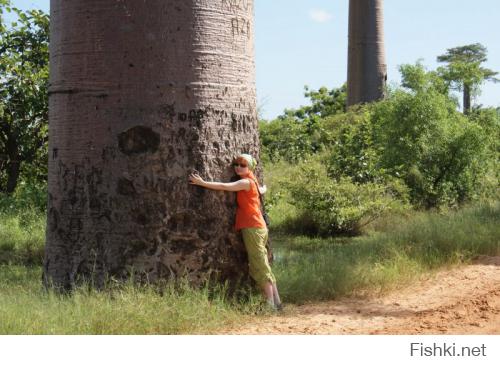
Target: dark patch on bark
[75, 228]
[163, 236]
[178, 222]
[134, 248]
[53, 219]
[125, 187]
[168, 111]
[94, 203]
[183, 246]
[234, 122]
[171, 155]
[105, 216]
[141, 219]
[205, 235]
[138, 139]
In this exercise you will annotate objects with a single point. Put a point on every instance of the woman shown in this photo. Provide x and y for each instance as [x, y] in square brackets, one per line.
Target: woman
[251, 223]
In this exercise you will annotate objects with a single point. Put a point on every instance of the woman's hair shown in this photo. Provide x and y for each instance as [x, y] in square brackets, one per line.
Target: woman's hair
[252, 162]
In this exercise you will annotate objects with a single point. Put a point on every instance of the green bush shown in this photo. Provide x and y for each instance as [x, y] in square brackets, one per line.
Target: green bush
[332, 207]
[416, 137]
[488, 186]
[353, 152]
[436, 150]
[290, 139]
[28, 198]
[22, 238]
[299, 133]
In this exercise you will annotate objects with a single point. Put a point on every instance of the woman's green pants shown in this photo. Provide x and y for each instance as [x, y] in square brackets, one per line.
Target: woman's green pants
[255, 240]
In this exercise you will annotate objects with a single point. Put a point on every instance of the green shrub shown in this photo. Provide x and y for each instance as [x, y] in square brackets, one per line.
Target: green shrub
[22, 238]
[354, 153]
[488, 186]
[436, 150]
[331, 207]
[290, 139]
[299, 133]
[416, 137]
[29, 198]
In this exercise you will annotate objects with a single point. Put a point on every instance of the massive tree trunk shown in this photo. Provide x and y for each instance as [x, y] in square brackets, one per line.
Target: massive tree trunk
[366, 67]
[142, 93]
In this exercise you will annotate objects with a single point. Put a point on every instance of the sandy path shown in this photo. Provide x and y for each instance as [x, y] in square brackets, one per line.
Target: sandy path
[463, 300]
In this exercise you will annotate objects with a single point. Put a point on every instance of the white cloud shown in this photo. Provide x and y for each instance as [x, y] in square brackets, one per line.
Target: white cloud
[319, 15]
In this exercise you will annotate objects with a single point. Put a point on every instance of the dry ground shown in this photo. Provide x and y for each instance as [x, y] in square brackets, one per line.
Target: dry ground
[463, 300]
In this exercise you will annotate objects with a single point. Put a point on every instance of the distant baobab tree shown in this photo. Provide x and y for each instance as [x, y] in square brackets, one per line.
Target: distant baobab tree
[366, 66]
[142, 93]
[464, 70]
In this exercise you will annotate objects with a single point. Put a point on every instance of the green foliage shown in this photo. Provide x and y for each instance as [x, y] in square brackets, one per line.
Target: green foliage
[438, 152]
[418, 79]
[324, 102]
[24, 59]
[298, 133]
[332, 207]
[4, 5]
[414, 146]
[22, 237]
[27, 197]
[289, 139]
[489, 183]
[464, 71]
[353, 152]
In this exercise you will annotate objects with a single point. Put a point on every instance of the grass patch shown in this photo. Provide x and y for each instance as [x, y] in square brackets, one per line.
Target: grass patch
[393, 251]
[318, 269]
[26, 308]
[22, 238]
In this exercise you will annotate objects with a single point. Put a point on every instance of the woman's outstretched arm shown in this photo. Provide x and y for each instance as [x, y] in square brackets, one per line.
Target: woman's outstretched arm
[243, 184]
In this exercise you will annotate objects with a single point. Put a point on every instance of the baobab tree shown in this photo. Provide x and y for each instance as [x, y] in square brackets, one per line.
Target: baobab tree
[366, 67]
[143, 93]
[464, 71]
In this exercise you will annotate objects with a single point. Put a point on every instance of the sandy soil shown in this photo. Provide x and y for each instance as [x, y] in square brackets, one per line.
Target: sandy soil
[464, 300]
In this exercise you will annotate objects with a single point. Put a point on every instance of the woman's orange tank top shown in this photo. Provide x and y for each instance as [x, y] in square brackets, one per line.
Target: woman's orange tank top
[248, 213]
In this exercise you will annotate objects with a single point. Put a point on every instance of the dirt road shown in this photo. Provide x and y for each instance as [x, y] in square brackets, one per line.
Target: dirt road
[464, 300]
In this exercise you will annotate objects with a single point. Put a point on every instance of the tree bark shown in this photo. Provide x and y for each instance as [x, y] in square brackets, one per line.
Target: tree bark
[143, 93]
[366, 67]
[13, 159]
[13, 171]
[466, 99]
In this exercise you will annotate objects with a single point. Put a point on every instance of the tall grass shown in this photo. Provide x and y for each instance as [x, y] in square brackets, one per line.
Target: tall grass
[315, 269]
[26, 308]
[22, 237]
[394, 251]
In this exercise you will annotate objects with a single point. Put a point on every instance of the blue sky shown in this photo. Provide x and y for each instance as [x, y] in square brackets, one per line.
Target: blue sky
[304, 42]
